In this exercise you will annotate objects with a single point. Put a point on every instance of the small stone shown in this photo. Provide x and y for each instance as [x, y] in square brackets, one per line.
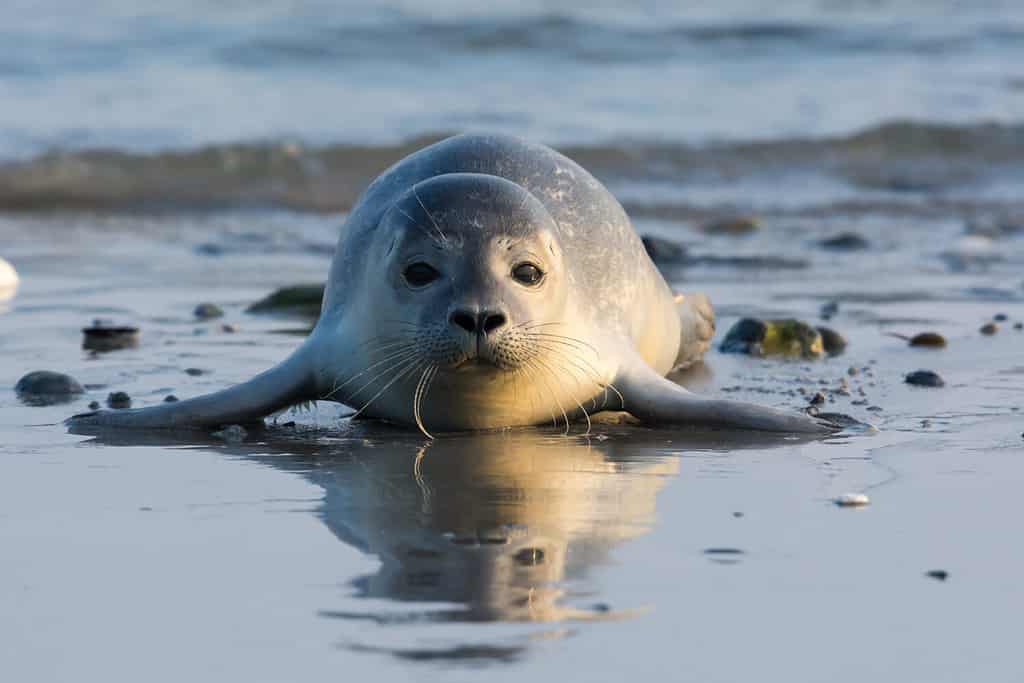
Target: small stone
[846, 241]
[989, 328]
[103, 337]
[207, 311]
[852, 371]
[170, 398]
[874, 409]
[232, 434]
[1000, 317]
[833, 342]
[118, 400]
[229, 328]
[664, 251]
[924, 378]
[829, 309]
[1018, 326]
[94, 405]
[859, 402]
[737, 514]
[852, 500]
[195, 372]
[937, 574]
[45, 387]
[818, 399]
[302, 300]
[929, 339]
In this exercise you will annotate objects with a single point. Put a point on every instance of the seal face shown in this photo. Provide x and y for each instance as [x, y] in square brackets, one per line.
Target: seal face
[486, 282]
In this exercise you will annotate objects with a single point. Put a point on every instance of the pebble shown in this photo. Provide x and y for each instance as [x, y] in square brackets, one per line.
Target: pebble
[229, 328]
[170, 398]
[664, 251]
[1018, 326]
[930, 339]
[924, 378]
[207, 311]
[45, 387]
[105, 337]
[937, 574]
[829, 309]
[1000, 317]
[989, 328]
[818, 399]
[874, 409]
[119, 399]
[94, 405]
[852, 371]
[195, 372]
[846, 241]
[852, 500]
[232, 434]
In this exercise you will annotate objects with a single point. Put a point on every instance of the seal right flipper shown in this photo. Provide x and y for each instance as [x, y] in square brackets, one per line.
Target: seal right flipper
[281, 386]
[654, 399]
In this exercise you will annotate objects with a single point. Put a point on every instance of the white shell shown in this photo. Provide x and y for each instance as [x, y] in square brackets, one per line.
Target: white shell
[852, 500]
[8, 280]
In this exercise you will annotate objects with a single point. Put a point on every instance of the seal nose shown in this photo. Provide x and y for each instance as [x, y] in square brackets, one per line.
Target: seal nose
[478, 322]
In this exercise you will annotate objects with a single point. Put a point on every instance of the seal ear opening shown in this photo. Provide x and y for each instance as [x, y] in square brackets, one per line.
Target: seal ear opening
[285, 384]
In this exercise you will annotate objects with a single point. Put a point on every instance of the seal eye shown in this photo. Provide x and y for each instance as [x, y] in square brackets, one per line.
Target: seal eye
[420, 274]
[528, 274]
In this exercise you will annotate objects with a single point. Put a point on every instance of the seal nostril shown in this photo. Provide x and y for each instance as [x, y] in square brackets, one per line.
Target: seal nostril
[491, 321]
[463, 320]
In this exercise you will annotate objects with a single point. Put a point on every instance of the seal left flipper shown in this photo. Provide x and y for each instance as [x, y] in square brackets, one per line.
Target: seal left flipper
[281, 386]
[654, 399]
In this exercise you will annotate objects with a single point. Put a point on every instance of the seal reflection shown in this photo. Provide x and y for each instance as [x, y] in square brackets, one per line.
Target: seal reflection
[497, 526]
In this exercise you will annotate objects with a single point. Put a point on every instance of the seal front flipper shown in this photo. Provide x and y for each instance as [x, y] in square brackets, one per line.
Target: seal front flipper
[655, 400]
[285, 384]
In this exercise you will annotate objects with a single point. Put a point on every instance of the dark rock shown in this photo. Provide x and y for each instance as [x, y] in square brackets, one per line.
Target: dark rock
[846, 241]
[788, 337]
[228, 328]
[195, 372]
[303, 300]
[989, 329]
[207, 311]
[94, 405]
[45, 388]
[170, 398]
[937, 574]
[829, 309]
[928, 339]
[119, 399]
[1018, 326]
[833, 342]
[818, 399]
[664, 251]
[924, 378]
[104, 337]
[1000, 317]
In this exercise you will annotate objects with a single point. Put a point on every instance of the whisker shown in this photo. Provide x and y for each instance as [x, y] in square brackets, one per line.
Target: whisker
[394, 356]
[410, 367]
[437, 227]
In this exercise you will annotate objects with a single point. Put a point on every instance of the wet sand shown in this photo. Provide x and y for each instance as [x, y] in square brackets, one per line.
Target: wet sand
[332, 548]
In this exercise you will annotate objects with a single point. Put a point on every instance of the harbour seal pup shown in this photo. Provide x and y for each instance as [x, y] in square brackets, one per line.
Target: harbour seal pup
[486, 282]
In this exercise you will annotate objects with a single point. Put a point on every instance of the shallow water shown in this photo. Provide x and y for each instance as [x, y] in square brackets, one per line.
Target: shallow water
[327, 547]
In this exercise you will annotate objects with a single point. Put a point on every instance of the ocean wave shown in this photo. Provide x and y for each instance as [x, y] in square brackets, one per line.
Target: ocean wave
[898, 156]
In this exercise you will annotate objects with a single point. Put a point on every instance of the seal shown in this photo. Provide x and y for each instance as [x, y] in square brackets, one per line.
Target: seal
[487, 282]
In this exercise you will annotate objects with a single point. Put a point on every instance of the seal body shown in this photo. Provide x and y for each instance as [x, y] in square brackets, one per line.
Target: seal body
[486, 282]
